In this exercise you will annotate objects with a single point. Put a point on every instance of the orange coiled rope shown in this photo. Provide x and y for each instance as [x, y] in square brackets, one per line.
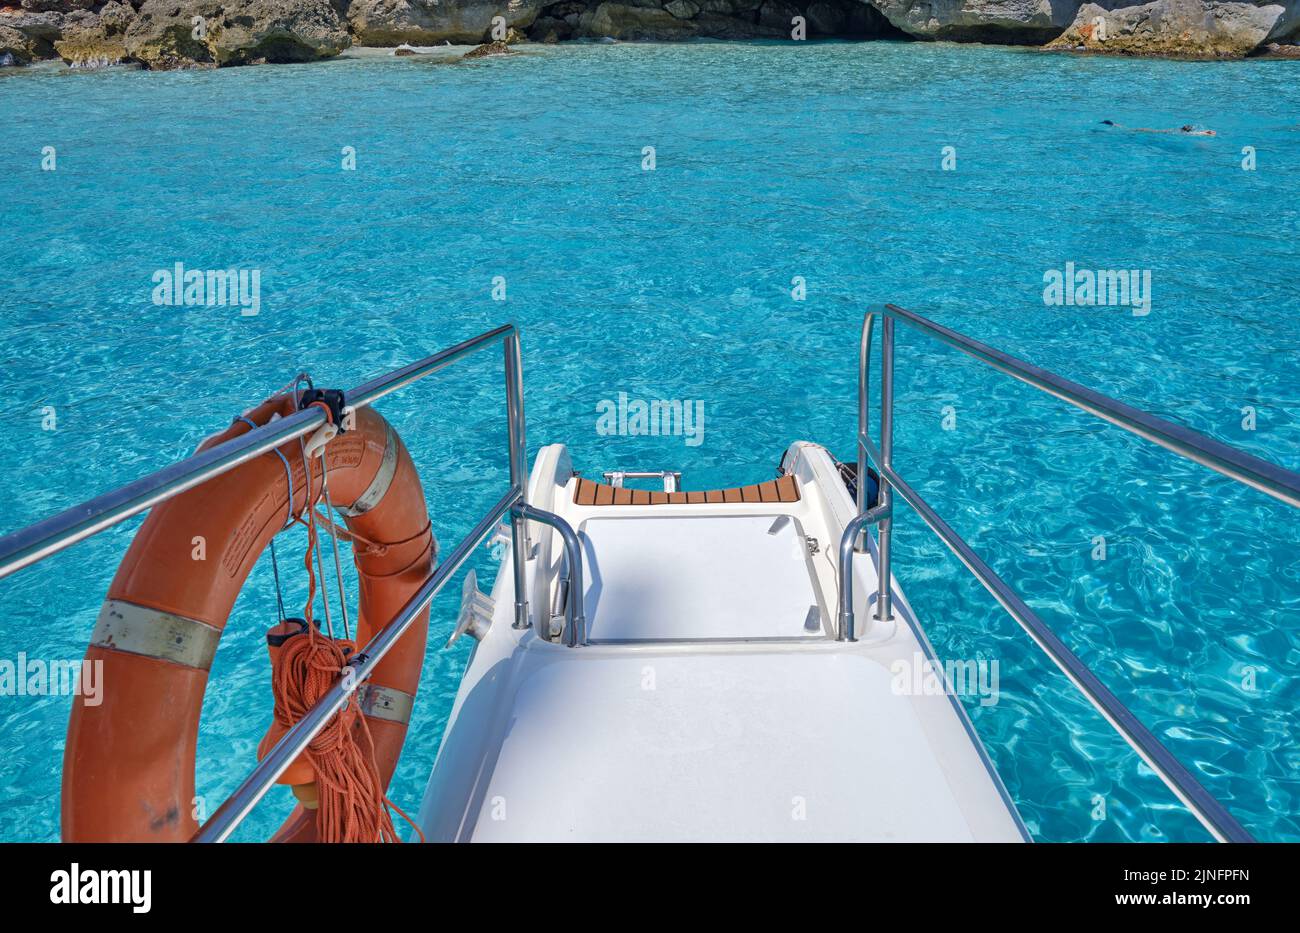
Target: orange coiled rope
[342, 755]
[352, 804]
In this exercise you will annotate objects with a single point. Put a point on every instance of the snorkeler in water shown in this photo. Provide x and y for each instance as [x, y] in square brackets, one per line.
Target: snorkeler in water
[1185, 130]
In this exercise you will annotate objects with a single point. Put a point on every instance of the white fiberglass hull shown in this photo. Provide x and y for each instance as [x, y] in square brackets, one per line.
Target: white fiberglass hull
[713, 702]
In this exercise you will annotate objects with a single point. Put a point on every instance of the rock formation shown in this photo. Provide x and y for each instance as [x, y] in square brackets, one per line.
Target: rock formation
[717, 19]
[176, 33]
[1185, 28]
[432, 22]
[1005, 21]
[211, 33]
[487, 50]
[29, 33]
[97, 38]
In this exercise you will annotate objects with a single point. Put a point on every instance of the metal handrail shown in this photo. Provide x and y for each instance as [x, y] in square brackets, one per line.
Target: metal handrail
[1253, 471]
[36, 542]
[1261, 474]
[282, 754]
[577, 616]
[848, 545]
[672, 479]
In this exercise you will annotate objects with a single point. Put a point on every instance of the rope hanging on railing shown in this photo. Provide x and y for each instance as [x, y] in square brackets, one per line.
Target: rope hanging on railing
[337, 775]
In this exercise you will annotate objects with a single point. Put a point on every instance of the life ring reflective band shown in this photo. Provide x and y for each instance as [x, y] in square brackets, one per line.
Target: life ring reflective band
[378, 487]
[385, 703]
[153, 633]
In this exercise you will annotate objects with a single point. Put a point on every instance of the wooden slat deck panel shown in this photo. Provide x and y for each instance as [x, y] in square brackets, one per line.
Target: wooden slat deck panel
[587, 492]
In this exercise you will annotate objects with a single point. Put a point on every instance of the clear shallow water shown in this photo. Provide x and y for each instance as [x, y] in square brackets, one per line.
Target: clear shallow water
[772, 161]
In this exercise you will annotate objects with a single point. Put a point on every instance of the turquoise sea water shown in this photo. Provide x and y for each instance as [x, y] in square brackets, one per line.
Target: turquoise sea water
[773, 161]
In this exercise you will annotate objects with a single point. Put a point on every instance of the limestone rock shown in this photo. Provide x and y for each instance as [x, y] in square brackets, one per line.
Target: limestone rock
[15, 48]
[29, 35]
[738, 8]
[779, 14]
[550, 29]
[165, 35]
[95, 40]
[716, 26]
[57, 6]
[488, 49]
[279, 31]
[682, 9]
[430, 22]
[206, 33]
[622, 21]
[825, 19]
[1006, 21]
[1183, 28]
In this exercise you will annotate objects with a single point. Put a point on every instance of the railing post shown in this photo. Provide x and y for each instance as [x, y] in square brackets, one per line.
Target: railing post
[864, 419]
[884, 610]
[853, 531]
[518, 474]
[576, 633]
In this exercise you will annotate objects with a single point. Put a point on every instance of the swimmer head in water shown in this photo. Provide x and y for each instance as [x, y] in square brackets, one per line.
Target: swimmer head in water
[1187, 129]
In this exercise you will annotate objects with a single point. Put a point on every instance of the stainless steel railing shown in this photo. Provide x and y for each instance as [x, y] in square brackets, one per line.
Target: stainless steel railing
[576, 633]
[1253, 471]
[672, 479]
[263, 777]
[36, 542]
[848, 546]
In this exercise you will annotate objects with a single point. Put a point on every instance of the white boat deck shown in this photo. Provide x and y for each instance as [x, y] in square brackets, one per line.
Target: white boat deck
[713, 702]
[698, 578]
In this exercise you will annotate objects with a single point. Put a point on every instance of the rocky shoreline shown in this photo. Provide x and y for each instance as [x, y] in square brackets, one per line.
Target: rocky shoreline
[166, 34]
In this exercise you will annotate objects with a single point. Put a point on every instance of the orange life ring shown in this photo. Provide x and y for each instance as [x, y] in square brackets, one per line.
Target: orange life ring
[128, 768]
